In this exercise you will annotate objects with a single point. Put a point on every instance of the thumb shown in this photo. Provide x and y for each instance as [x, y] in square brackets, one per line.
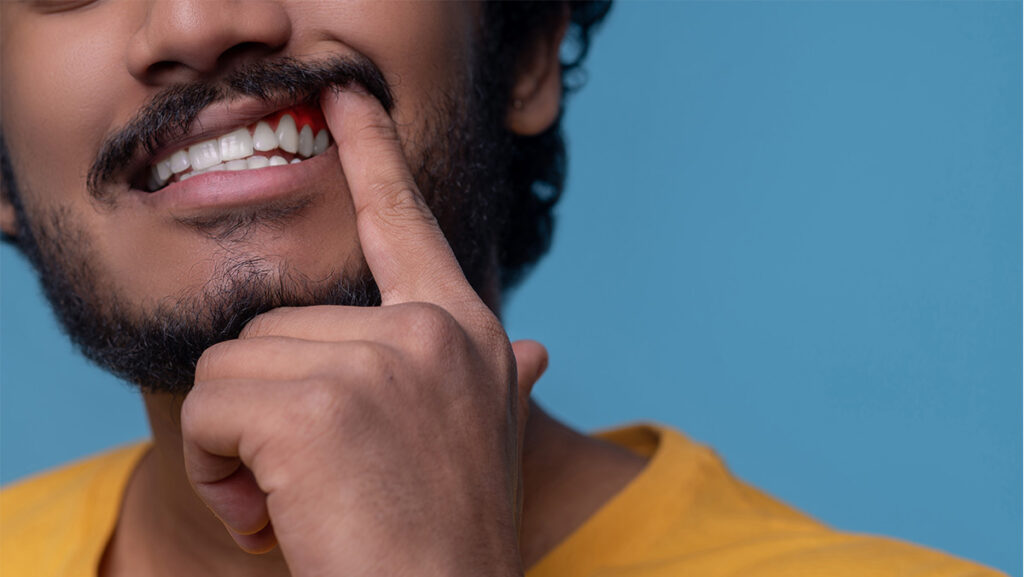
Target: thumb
[531, 362]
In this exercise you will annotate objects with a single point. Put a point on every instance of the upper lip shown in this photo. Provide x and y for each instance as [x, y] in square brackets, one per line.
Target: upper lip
[215, 120]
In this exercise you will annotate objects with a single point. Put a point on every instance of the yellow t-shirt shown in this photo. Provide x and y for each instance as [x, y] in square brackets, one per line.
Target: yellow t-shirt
[684, 514]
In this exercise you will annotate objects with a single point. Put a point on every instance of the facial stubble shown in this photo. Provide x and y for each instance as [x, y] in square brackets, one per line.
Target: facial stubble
[459, 167]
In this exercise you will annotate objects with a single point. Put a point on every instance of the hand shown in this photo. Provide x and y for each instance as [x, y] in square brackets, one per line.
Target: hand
[363, 441]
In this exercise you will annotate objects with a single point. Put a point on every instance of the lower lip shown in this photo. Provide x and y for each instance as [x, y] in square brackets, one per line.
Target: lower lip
[225, 190]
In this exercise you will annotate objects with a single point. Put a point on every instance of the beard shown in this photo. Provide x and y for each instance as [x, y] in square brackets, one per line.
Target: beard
[461, 166]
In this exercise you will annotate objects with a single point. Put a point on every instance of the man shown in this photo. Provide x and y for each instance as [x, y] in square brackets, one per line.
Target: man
[242, 211]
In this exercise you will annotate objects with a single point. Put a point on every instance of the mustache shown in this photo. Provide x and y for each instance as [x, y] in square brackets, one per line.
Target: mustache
[170, 112]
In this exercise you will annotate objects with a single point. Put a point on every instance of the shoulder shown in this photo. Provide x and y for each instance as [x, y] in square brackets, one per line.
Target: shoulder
[828, 553]
[61, 519]
[686, 514]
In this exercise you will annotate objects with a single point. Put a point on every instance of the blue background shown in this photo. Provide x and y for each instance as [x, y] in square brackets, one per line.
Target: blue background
[791, 230]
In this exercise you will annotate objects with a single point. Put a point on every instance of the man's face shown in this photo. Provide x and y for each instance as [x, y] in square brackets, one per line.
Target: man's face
[140, 271]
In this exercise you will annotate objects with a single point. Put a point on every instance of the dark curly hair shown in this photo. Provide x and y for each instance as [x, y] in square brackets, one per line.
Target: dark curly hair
[538, 165]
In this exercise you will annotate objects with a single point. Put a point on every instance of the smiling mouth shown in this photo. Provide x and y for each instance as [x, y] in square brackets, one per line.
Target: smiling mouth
[287, 136]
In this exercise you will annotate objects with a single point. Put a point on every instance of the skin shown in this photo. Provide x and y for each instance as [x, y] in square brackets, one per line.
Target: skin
[414, 415]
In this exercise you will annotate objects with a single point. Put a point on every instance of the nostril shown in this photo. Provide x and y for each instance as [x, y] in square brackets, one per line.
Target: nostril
[161, 69]
[182, 42]
[171, 71]
[243, 52]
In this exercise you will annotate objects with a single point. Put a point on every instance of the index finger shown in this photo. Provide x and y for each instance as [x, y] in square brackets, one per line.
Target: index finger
[404, 247]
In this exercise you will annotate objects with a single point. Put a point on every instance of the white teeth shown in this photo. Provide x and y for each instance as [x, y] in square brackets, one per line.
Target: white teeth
[306, 141]
[235, 151]
[163, 170]
[204, 155]
[155, 181]
[235, 145]
[179, 161]
[257, 161]
[320, 142]
[287, 134]
[263, 137]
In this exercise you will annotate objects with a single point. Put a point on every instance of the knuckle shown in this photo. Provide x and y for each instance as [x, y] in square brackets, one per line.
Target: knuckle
[329, 407]
[331, 400]
[398, 201]
[263, 324]
[320, 396]
[367, 362]
[195, 411]
[431, 327]
[212, 360]
[377, 126]
[481, 318]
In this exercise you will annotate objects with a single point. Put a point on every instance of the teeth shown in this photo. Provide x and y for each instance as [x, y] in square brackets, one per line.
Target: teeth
[159, 174]
[320, 142]
[163, 170]
[179, 161]
[235, 145]
[306, 142]
[287, 134]
[257, 162]
[204, 155]
[263, 137]
[236, 151]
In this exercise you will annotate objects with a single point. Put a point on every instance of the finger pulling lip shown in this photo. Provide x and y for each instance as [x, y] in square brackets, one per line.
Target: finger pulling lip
[213, 193]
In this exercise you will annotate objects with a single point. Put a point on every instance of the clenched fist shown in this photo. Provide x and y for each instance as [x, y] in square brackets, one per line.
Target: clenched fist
[370, 441]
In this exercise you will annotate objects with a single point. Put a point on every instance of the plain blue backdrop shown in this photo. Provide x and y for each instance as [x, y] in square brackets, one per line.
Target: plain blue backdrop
[792, 230]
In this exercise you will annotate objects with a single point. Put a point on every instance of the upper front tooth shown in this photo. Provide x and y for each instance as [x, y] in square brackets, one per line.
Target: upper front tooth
[321, 141]
[306, 141]
[179, 162]
[204, 155]
[287, 135]
[263, 137]
[235, 145]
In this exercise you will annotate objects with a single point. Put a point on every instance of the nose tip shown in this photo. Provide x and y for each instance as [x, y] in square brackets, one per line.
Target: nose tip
[187, 40]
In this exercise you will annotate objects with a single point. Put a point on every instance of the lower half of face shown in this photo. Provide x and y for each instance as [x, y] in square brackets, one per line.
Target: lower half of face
[231, 222]
[146, 283]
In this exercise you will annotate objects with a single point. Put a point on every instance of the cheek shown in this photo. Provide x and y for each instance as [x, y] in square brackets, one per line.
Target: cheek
[423, 48]
[63, 83]
[59, 76]
[64, 86]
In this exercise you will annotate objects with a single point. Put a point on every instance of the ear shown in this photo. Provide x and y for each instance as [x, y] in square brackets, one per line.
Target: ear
[8, 223]
[8, 220]
[537, 91]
